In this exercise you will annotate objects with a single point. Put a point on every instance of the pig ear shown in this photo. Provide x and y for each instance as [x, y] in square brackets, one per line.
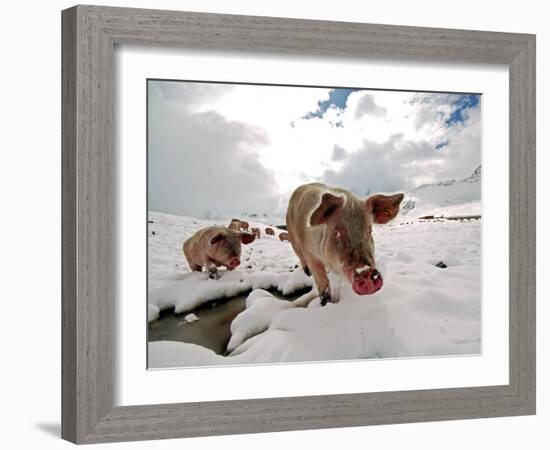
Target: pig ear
[217, 238]
[247, 238]
[330, 207]
[384, 207]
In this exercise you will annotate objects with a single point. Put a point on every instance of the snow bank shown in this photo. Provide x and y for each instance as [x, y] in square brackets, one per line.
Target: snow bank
[261, 308]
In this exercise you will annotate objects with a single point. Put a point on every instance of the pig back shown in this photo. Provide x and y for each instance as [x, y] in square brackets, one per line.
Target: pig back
[303, 201]
[197, 247]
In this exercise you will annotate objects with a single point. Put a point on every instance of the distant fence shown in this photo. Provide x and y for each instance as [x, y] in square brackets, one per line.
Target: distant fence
[470, 217]
[463, 217]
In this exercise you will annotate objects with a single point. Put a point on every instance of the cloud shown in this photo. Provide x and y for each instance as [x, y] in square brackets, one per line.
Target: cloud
[443, 109]
[367, 170]
[189, 95]
[201, 164]
[339, 153]
[423, 140]
[259, 143]
[407, 159]
[291, 151]
[367, 106]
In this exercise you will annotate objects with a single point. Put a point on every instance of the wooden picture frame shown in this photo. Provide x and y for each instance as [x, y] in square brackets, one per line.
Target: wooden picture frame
[90, 34]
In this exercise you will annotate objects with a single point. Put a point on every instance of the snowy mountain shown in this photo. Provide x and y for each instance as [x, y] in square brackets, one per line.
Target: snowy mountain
[445, 198]
[452, 197]
[270, 218]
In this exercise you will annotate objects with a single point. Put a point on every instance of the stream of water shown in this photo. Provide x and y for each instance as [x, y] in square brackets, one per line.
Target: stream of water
[212, 330]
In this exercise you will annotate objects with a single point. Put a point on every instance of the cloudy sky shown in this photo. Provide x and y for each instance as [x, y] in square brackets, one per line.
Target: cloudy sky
[217, 149]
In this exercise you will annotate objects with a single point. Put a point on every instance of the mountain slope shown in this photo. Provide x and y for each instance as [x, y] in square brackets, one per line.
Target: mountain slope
[452, 197]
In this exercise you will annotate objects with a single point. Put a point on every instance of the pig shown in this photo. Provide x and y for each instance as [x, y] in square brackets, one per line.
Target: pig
[283, 236]
[331, 229]
[235, 225]
[270, 231]
[256, 232]
[215, 246]
[244, 225]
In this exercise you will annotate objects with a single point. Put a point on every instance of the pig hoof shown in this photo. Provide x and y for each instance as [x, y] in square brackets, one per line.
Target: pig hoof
[214, 274]
[325, 298]
[306, 271]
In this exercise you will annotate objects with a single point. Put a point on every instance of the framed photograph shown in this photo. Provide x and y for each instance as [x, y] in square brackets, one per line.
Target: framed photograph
[267, 222]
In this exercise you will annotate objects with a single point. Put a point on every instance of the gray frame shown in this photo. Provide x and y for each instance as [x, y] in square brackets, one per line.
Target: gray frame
[89, 36]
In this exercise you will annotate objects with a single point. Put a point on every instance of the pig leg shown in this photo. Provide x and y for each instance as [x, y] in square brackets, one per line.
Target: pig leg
[213, 273]
[212, 270]
[300, 255]
[321, 279]
[194, 267]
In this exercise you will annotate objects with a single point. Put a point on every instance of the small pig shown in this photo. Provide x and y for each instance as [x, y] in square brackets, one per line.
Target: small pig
[256, 232]
[244, 225]
[270, 231]
[330, 229]
[235, 225]
[215, 246]
[283, 236]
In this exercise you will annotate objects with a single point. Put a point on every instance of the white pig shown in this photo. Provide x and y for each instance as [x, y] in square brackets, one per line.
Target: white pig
[331, 229]
[213, 247]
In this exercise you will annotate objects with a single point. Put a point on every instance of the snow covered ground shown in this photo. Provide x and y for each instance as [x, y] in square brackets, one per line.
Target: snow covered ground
[266, 263]
[422, 310]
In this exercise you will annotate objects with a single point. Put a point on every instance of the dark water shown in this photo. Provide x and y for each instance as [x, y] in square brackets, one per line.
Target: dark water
[212, 330]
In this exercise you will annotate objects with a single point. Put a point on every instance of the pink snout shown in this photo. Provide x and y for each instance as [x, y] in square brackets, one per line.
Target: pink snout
[234, 262]
[367, 282]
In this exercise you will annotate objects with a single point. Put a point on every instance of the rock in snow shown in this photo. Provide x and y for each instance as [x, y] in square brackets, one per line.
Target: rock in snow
[190, 318]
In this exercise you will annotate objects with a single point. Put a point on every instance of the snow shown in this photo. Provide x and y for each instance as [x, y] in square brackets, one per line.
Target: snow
[422, 310]
[447, 198]
[266, 263]
[165, 354]
[261, 308]
[190, 318]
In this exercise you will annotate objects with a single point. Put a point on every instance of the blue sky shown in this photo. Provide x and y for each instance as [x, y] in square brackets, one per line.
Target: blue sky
[337, 98]
[461, 107]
